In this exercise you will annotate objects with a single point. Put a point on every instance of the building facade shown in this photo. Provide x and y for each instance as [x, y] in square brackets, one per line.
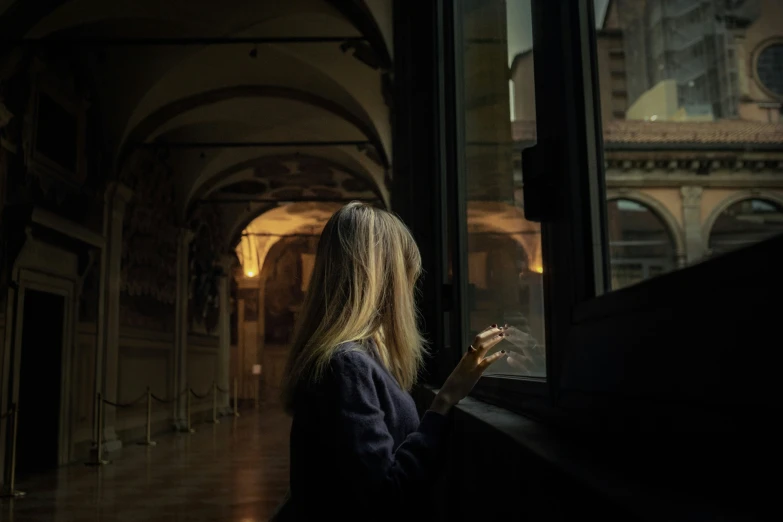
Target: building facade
[684, 183]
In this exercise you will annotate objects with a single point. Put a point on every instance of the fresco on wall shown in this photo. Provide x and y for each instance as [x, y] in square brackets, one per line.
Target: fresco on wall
[149, 250]
[283, 293]
[204, 271]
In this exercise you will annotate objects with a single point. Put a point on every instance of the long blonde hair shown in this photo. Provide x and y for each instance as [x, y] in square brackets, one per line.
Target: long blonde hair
[362, 287]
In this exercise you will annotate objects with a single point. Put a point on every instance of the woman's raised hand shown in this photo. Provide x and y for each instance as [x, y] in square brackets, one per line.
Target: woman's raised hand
[470, 368]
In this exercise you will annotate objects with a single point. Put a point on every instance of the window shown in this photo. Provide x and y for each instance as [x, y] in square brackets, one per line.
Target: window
[744, 223]
[769, 68]
[694, 141]
[504, 258]
[640, 245]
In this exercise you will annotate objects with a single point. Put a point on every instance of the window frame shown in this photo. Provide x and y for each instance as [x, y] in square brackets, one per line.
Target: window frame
[562, 33]
[604, 347]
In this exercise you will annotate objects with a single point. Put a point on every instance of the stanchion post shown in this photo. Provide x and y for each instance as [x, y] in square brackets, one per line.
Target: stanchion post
[256, 391]
[148, 440]
[214, 403]
[99, 443]
[189, 428]
[236, 396]
[11, 492]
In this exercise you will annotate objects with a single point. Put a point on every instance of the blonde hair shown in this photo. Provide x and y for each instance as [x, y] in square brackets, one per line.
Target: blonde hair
[362, 287]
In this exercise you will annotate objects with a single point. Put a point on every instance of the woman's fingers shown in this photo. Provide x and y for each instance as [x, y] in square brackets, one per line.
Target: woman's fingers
[483, 340]
[486, 361]
[488, 328]
[486, 340]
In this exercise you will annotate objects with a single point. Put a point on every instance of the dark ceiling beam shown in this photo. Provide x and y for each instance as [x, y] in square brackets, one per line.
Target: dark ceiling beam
[263, 234]
[155, 42]
[248, 144]
[244, 201]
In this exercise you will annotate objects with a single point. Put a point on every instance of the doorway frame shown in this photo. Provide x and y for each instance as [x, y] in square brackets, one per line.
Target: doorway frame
[32, 279]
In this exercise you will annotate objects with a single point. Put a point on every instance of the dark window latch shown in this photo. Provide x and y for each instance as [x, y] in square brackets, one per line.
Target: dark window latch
[538, 164]
[447, 297]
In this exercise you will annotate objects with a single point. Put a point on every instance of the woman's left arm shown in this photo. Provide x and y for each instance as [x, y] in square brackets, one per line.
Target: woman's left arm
[370, 465]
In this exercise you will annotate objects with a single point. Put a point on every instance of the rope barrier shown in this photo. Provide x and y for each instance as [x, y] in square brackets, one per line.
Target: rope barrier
[150, 397]
[169, 401]
[126, 404]
[204, 396]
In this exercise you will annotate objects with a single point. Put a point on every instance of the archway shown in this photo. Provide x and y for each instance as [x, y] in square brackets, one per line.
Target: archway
[641, 245]
[744, 223]
[283, 279]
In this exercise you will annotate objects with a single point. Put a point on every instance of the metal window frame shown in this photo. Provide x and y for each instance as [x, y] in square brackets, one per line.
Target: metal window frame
[574, 237]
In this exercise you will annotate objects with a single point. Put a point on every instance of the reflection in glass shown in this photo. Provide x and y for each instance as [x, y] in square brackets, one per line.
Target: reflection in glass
[744, 223]
[504, 250]
[640, 245]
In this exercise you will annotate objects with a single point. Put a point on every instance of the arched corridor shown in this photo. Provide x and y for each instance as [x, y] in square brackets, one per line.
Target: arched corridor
[167, 168]
[165, 171]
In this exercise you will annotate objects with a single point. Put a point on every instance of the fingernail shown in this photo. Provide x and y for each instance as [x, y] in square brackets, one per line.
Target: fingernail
[503, 335]
[494, 326]
[502, 351]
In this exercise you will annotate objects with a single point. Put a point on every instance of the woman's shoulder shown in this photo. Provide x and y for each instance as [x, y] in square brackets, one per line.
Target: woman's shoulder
[352, 356]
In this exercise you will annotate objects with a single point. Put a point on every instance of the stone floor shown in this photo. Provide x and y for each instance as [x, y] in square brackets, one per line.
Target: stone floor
[234, 471]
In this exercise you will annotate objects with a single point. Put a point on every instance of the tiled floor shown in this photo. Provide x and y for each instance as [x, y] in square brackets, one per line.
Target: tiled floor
[236, 471]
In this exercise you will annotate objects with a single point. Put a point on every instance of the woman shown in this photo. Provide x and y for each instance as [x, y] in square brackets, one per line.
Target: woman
[358, 448]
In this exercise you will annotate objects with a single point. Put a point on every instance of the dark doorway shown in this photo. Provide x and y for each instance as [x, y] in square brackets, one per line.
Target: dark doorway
[39, 382]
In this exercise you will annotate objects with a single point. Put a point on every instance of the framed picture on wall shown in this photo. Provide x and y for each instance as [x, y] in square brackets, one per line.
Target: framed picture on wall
[55, 136]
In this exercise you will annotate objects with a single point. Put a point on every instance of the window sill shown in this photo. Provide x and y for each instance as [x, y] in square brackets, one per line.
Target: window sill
[622, 470]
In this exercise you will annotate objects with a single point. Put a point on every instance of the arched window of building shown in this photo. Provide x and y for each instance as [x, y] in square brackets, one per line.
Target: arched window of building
[744, 223]
[640, 244]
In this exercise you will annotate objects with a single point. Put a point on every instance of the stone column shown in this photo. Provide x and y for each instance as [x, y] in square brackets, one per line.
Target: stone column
[181, 330]
[224, 333]
[107, 352]
[691, 219]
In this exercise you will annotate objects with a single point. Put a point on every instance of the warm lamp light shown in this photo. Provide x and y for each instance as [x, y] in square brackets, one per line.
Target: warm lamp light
[538, 269]
[250, 274]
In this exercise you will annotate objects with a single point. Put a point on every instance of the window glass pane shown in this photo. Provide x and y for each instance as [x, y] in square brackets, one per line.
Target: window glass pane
[504, 250]
[640, 243]
[691, 108]
[745, 222]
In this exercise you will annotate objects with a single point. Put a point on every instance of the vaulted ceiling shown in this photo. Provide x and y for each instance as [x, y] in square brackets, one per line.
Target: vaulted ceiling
[260, 104]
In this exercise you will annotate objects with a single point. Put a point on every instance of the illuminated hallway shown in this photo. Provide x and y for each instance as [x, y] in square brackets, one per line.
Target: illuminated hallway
[233, 471]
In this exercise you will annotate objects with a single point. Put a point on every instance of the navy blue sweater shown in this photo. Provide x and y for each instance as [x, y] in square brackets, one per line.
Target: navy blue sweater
[358, 448]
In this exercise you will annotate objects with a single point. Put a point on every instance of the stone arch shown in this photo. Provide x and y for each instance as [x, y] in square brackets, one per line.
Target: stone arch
[742, 195]
[150, 122]
[661, 212]
[213, 183]
[235, 230]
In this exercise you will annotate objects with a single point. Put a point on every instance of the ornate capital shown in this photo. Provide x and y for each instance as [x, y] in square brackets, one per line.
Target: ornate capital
[691, 195]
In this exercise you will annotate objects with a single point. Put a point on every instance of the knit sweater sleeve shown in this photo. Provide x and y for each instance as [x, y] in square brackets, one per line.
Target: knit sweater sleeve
[371, 467]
